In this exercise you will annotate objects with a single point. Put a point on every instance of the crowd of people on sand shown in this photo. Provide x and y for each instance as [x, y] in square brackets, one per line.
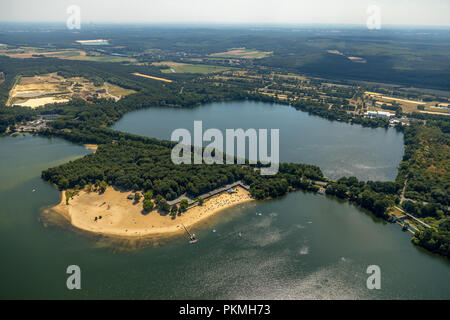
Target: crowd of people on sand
[224, 202]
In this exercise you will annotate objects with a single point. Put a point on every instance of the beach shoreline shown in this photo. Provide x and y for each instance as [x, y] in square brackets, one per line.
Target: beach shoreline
[113, 214]
[92, 147]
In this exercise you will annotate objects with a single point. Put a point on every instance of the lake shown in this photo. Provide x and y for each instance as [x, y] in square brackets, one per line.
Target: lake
[338, 148]
[302, 246]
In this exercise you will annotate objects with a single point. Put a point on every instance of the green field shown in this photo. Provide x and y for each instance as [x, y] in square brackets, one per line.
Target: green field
[103, 58]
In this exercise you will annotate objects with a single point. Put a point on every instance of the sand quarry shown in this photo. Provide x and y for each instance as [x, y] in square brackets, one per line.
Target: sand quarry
[51, 88]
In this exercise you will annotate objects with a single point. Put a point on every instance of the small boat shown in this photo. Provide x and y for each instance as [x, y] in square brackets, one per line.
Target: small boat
[192, 238]
[34, 190]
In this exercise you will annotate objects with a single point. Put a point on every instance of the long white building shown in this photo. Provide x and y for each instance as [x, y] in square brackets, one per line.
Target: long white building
[379, 114]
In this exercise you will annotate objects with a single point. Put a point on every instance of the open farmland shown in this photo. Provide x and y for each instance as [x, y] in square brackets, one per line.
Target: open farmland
[178, 67]
[150, 77]
[242, 53]
[65, 54]
[408, 106]
[32, 52]
[51, 88]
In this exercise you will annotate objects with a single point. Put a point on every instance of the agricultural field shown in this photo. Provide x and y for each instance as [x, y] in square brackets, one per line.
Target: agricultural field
[65, 54]
[408, 106]
[150, 77]
[242, 53]
[33, 52]
[178, 67]
[39, 90]
[96, 42]
[351, 58]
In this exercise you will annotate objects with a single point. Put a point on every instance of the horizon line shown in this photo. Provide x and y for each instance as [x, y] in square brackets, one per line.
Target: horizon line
[249, 24]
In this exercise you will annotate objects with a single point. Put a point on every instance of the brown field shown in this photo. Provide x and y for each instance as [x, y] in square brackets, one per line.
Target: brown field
[292, 76]
[30, 52]
[51, 88]
[408, 106]
[351, 58]
[168, 63]
[151, 77]
[178, 67]
[242, 53]
[116, 91]
[67, 54]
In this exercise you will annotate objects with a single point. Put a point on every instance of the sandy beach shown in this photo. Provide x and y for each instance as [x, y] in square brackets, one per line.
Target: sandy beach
[123, 217]
[92, 147]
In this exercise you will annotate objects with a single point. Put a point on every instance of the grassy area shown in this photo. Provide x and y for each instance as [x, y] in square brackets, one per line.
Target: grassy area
[177, 67]
[242, 53]
[117, 91]
[66, 54]
[101, 58]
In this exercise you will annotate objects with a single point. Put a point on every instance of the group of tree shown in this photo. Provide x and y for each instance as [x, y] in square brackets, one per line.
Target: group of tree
[148, 204]
[437, 241]
[138, 163]
[426, 163]
[376, 197]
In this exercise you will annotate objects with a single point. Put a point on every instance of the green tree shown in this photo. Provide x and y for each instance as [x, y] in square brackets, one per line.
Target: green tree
[163, 205]
[102, 187]
[148, 205]
[184, 204]
[148, 195]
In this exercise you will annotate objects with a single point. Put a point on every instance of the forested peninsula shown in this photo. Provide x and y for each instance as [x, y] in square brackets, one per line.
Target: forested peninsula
[138, 163]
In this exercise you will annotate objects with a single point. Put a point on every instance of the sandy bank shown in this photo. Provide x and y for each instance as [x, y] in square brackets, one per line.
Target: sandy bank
[123, 217]
[92, 147]
[39, 102]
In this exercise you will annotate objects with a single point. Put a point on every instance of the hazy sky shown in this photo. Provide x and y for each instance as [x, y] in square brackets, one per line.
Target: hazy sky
[412, 12]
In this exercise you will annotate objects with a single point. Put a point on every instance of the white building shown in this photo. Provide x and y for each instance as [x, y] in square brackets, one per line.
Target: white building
[379, 114]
